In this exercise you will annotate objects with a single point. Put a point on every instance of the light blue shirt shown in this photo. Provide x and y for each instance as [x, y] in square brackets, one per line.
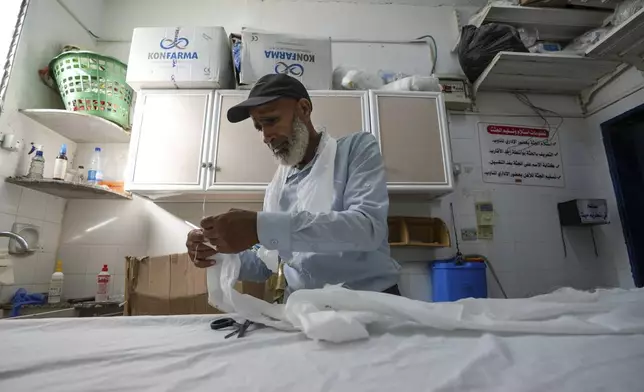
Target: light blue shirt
[350, 243]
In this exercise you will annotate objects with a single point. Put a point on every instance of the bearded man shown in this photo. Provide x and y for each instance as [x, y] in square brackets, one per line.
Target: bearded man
[346, 245]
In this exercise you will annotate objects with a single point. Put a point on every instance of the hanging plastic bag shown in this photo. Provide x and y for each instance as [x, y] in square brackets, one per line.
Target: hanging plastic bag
[478, 46]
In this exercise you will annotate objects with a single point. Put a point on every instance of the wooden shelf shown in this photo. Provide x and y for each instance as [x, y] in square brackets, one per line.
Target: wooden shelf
[625, 42]
[417, 232]
[79, 127]
[68, 190]
[542, 73]
[553, 24]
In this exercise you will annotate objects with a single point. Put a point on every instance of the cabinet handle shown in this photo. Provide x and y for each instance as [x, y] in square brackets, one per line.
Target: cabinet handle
[203, 164]
[210, 165]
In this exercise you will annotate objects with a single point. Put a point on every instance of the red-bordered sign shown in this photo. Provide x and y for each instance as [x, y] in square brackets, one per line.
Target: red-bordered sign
[517, 131]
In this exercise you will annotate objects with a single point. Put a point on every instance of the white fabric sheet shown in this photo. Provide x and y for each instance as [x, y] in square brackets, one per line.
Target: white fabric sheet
[182, 353]
[336, 314]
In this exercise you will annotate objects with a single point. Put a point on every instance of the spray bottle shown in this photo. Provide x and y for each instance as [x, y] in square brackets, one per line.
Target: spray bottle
[25, 160]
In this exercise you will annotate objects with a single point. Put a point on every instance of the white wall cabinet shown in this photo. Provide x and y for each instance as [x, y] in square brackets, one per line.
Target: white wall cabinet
[182, 140]
[414, 140]
[241, 158]
[243, 162]
[169, 138]
[340, 113]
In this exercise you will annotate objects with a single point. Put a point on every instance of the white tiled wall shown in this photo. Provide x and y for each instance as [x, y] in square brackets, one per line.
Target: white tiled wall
[98, 232]
[27, 91]
[527, 249]
[32, 271]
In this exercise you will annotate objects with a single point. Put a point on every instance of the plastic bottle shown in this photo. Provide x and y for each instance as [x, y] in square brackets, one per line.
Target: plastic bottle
[37, 166]
[60, 165]
[103, 289]
[95, 174]
[56, 284]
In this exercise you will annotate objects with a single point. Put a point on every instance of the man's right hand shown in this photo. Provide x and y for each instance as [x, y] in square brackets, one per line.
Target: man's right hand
[197, 251]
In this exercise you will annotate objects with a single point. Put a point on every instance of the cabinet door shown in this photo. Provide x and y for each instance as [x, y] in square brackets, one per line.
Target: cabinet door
[340, 113]
[241, 159]
[169, 139]
[413, 138]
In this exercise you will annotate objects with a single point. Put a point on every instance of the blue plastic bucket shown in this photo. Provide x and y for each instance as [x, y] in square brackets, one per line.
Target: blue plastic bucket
[451, 282]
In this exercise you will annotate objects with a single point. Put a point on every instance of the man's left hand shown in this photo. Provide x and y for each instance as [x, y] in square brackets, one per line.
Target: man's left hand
[232, 232]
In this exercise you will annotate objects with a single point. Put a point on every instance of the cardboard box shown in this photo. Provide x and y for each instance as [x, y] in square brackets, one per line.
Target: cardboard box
[307, 59]
[171, 284]
[180, 57]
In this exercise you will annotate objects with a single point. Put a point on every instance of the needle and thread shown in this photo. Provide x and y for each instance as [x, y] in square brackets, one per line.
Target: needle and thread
[203, 215]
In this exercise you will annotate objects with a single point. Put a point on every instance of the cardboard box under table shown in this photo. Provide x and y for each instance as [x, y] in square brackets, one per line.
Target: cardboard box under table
[171, 284]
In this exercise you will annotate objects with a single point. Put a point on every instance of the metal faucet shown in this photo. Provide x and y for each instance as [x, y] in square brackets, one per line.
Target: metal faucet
[19, 239]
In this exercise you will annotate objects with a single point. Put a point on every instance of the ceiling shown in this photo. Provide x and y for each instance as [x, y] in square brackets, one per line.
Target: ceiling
[430, 3]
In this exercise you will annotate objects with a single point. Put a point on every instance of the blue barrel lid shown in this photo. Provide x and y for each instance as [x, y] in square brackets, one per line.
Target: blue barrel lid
[450, 264]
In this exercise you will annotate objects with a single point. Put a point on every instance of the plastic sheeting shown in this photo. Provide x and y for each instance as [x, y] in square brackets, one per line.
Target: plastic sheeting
[182, 353]
[337, 314]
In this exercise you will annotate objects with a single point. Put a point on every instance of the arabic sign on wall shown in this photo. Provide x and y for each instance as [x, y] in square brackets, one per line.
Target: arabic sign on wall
[520, 155]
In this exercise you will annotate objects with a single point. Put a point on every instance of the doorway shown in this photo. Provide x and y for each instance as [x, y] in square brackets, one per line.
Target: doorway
[624, 143]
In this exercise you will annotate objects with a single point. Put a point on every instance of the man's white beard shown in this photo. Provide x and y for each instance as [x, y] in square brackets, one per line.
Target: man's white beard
[294, 152]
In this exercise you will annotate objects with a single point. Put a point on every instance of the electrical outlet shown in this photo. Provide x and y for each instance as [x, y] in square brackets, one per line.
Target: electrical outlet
[485, 232]
[469, 234]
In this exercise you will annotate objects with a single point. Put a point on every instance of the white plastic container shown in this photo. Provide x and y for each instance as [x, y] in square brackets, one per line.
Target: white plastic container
[60, 164]
[95, 174]
[56, 284]
[103, 287]
[307, 59]
[180, 57]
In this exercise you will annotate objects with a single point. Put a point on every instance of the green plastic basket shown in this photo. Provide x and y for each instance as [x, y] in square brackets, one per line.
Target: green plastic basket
[94, 84]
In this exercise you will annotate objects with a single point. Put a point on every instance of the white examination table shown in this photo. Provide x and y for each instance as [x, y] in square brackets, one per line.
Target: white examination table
[182, 353]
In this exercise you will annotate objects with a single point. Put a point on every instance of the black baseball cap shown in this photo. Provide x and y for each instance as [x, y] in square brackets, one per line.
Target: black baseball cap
[268, 89]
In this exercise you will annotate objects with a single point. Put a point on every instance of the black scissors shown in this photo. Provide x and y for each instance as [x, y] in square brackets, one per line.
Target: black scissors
[240, 329]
